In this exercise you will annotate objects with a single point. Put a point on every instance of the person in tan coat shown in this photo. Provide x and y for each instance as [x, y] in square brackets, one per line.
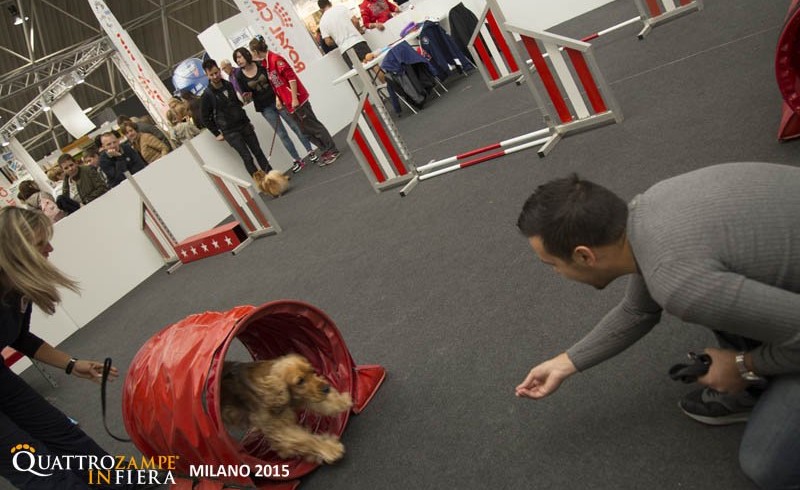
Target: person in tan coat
[150, 147]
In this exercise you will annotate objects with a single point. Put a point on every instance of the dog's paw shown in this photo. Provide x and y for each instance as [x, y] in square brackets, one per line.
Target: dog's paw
[330, 449]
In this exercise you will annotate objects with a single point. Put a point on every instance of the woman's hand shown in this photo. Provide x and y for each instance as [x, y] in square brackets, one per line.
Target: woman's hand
[93, 370]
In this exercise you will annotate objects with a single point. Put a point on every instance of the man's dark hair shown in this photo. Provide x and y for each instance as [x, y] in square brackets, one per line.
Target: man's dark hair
[569, 212]
[323, 3]
[122, 118]
[64, 157]
[90, 152]
[245, 54]
[209, 64]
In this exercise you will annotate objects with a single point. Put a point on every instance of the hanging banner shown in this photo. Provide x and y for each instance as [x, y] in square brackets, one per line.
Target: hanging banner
[282, 29]
[71, 116]
[134, 67]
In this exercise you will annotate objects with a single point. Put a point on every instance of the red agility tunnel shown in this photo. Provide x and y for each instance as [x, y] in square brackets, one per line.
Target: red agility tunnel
[787, 72]
[171, 400]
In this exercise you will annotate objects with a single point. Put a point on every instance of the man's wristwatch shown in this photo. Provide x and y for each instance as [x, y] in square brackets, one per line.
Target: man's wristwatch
[745, 373]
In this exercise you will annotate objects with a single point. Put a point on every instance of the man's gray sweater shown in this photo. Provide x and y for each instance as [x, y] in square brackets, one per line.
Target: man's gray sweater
[718, 247]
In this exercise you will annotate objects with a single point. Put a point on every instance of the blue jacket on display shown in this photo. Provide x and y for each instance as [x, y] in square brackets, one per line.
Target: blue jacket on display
[443, 50]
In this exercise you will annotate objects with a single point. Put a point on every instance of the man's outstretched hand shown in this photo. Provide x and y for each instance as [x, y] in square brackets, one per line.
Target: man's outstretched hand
[545, 378]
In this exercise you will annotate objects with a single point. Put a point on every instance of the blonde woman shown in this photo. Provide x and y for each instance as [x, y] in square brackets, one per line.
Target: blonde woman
[27, 278]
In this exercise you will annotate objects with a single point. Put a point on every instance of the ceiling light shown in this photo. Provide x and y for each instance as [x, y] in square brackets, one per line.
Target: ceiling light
[88, 110]
[5, 141]
[46, 108]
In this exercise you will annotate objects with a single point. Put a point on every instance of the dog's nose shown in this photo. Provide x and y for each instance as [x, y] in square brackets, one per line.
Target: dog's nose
[326, 388]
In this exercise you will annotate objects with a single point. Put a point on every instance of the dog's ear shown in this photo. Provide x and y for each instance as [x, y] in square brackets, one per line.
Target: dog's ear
[274, 391]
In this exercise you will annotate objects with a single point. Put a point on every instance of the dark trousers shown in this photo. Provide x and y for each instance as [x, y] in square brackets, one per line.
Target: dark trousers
[27, 418]
[311, 127]
[244, 141]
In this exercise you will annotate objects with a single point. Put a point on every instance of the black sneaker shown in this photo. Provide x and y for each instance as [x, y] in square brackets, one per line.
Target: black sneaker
[297, 166]
[711, 407]
[312, 157]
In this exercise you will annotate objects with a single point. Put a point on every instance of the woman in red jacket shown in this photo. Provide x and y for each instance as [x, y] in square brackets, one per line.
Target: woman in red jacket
[290, 93]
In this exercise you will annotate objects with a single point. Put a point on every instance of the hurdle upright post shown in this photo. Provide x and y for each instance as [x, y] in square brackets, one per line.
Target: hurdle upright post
[490, 46]
[657, 12]
[569, 111]
[375, 140]
[156, 229]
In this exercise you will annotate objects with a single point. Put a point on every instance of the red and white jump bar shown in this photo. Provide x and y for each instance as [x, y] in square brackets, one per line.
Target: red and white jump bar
[506, 147]
[611, 29]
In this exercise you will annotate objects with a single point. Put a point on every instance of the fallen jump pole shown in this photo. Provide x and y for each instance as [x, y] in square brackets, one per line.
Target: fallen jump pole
[483, 158]
[503, 144]
[611, 29]
[588, 38]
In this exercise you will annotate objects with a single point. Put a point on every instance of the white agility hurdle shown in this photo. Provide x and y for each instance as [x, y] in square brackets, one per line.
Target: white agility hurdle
[375, 140]
[161, 239]
[571, 109]
[556, 76]
[155, 228]
[657, 12]
[248, 209]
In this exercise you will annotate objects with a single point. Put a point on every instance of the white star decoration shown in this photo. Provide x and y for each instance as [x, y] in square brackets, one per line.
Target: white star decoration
[194, 251]
[204, 247]
[183, 252]
[215, 243]
[228, 240]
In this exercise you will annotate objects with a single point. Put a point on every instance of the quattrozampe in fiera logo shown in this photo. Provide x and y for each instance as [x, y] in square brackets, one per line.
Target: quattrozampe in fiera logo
[101, 470]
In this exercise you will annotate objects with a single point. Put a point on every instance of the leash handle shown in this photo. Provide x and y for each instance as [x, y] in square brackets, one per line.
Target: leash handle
[103, 382]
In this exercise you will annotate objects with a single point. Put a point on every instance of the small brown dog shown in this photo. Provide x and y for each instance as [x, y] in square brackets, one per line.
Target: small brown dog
[274, 183]
[267, 394]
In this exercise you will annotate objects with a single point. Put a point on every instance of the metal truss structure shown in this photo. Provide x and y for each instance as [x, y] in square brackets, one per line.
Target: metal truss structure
[33, 77]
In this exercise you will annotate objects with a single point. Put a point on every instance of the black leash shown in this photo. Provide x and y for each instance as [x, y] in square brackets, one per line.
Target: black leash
[103, 381]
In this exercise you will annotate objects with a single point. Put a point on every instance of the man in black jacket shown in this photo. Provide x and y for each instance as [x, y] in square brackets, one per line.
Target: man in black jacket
[117, 158]
[224, 117]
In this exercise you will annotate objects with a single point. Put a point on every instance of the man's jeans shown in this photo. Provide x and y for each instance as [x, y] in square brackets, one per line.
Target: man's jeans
[769, 453]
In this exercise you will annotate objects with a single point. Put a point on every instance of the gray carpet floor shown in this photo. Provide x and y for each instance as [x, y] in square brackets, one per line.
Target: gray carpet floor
[441, 289]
